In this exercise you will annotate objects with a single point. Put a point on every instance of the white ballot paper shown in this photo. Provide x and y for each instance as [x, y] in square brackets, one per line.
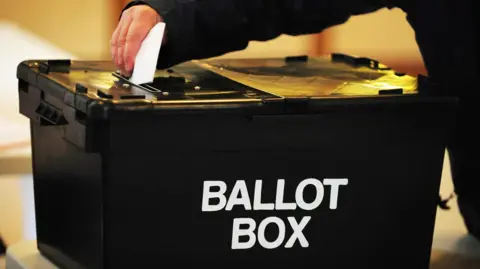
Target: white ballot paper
[147, 57]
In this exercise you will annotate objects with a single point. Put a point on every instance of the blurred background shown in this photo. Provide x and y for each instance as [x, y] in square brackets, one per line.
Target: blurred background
[81, 29]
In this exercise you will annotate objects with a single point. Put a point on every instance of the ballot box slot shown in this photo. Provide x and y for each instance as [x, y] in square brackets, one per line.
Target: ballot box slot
[195, 84]
[200, 88]
[145, 87]
[151, 89]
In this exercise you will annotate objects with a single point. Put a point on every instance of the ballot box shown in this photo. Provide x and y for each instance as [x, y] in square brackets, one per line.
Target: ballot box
[296, 162]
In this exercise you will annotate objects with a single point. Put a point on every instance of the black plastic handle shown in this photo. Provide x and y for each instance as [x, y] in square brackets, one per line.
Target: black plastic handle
[49, 114]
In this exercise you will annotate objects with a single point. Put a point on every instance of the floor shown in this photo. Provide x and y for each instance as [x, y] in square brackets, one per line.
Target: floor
[452, 247]
[450, 232]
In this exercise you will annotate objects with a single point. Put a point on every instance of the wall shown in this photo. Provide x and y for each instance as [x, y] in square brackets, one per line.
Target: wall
[384, 35]
[81, 27]
[10, 210]
[16, 209]
[279, 47]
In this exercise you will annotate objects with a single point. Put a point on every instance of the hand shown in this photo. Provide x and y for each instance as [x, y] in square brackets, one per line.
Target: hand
[135, 24]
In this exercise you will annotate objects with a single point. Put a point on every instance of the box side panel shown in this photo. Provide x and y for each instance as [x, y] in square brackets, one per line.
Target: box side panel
[67, 185]
[385, 211]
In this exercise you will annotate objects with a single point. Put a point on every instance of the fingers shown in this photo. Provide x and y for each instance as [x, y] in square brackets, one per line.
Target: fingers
[113, 42]
[134, 38]
[127, 38]
[121, 41]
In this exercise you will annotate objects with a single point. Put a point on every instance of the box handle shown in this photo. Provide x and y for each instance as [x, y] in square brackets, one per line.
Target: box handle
[50, 115]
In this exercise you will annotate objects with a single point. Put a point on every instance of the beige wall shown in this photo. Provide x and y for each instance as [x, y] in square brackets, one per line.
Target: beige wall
[11, 229]
[279, 47]
[81, 27]
[384, 35]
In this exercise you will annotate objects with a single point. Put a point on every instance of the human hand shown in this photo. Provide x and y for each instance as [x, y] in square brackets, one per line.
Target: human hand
[135, 24]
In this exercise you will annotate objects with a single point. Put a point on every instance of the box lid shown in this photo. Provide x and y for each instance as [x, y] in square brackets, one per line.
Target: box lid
[262, 86]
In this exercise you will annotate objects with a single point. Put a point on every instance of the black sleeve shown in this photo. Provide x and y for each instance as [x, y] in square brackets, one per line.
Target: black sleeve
[199, 29]
[3, 247]
[446, 33]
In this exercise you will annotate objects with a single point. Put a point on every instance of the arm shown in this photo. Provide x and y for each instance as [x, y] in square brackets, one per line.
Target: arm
[445, 33]
[200, 29]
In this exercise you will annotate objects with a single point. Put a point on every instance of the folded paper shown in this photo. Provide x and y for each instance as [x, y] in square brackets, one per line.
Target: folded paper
[147, 57]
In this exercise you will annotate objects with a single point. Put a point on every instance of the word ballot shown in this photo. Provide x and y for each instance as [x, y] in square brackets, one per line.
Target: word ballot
[215, 199]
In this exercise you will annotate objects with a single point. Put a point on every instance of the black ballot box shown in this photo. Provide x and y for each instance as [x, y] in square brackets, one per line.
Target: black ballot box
[296, 162]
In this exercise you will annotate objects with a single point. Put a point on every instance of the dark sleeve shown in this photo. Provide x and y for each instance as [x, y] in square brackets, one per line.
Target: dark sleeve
[3, 247]
[199, 29]
[446, 33]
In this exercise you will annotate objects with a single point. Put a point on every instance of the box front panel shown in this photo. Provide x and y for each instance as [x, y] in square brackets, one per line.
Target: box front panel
[363, 196]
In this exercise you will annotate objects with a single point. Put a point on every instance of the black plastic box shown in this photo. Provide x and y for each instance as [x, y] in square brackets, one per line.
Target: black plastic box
[344, 150]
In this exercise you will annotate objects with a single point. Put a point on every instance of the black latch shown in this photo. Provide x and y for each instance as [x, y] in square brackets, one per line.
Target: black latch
[50, 115]
[294, 59]
[103, 94]
[58, 66]
[390, 91]
[79, 88]
[59, 62]
[354, 61]
[44, 68]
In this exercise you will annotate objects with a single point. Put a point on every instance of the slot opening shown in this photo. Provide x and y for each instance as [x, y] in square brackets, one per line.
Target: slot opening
[151, 89]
